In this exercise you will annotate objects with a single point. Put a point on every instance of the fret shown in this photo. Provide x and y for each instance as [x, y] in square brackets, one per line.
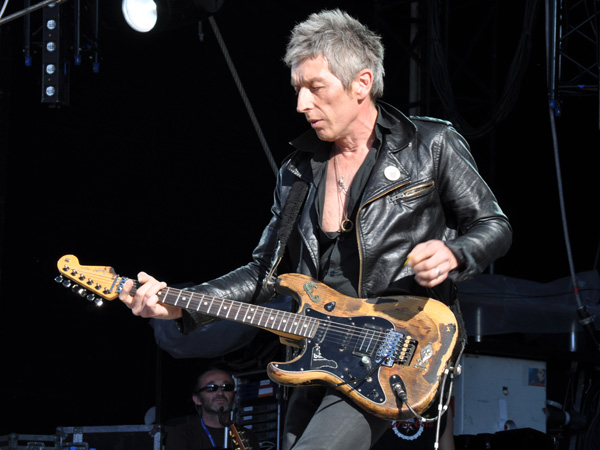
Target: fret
[247, 307]
[177, 299]
[296, 323]
[206, 303]
[219, 310]
[261, 315]
[237, 312]
[224, 308]
[189, 299]
[305, 326]
[212, 299]
[285, 320]
[255, 310]
[278, 321]
[229, 310]
[291, 322]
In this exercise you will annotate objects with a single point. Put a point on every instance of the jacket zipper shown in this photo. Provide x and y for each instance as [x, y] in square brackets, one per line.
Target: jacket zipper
[413, 191]
[358, 241]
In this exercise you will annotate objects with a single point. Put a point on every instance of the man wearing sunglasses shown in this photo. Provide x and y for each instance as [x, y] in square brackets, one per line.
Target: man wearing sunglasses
[213, 396]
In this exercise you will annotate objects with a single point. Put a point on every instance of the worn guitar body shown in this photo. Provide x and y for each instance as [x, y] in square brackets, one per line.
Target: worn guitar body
[383, 353]
[346, 349]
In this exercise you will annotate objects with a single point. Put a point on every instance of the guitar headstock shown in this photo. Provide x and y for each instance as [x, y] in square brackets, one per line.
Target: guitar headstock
[238, 438]
[93, 282]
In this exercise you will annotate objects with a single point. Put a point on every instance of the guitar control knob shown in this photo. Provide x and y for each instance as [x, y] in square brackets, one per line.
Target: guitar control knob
[365, 361]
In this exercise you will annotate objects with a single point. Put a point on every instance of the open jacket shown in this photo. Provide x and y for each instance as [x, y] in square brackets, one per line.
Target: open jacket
[424, 185]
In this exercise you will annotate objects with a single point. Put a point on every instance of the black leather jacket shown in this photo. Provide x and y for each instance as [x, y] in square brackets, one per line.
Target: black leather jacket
[424, 185]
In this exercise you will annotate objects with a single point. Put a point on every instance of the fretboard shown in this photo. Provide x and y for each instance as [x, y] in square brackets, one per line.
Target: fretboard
[258, 316]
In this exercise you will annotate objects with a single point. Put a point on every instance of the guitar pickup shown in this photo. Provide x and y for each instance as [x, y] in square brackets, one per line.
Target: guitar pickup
[367, 341]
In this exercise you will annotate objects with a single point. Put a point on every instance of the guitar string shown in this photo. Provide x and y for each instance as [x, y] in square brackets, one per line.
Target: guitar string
[342, 330]
[344, 335]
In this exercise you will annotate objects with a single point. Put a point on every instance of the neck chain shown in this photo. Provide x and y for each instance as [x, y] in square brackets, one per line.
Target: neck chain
[346, 224]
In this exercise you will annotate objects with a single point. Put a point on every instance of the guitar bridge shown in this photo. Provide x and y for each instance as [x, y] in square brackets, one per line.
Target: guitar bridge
[396, 348]
[386, 348]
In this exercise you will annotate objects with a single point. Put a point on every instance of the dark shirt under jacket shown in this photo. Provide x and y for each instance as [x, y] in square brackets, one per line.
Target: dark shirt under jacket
[191, 436]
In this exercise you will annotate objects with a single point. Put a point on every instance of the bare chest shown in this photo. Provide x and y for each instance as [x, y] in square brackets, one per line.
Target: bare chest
[340, 175]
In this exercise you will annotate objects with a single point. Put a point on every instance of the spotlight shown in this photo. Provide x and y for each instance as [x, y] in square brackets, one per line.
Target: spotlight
[140, 14]
[154, 15]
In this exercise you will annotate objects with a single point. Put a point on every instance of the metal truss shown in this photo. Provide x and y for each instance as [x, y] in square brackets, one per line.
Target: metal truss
[573, 49]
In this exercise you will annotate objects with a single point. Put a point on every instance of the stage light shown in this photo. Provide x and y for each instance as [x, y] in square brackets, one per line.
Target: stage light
[155, 15]
[140, 14]
[55, 72]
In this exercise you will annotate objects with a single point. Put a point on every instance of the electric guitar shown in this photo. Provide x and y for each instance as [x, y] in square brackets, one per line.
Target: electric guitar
[386, 354]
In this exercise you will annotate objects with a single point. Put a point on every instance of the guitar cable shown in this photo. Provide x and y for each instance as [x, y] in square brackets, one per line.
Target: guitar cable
[443, 406]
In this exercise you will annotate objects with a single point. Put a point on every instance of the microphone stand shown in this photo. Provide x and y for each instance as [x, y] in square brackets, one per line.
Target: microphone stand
[226, 422]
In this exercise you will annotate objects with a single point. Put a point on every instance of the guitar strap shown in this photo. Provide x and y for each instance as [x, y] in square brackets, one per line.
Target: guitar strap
[289, 213]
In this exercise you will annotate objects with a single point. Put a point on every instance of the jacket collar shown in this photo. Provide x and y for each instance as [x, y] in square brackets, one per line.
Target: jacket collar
[397, 131]
[390, 121]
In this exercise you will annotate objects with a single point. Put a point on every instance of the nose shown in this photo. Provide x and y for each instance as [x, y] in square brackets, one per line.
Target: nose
[304, 102]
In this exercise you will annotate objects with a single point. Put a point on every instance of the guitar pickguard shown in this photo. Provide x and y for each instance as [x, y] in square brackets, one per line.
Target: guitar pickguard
[352, 350]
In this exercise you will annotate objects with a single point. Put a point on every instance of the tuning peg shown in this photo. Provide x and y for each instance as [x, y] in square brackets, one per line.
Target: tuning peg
[98, 302]
[66, 283]
[78, 290]
[59, 279]
[91, 297]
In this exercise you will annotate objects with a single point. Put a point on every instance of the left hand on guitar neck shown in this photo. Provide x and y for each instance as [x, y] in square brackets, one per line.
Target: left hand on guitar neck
[144, 301]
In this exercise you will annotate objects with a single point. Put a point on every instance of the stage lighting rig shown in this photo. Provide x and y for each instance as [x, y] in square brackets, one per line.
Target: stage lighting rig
[55, 73]
[67, 34]
[156, 15]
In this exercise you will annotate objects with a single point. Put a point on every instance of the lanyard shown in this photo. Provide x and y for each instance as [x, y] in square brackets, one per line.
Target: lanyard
[212, 441]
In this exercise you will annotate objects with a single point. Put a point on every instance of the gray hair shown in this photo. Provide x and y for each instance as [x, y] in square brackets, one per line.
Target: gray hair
[346, 44]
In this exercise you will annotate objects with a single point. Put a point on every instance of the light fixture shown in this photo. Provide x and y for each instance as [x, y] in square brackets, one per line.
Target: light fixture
[140, 14]
[55, 73]
[155, 15]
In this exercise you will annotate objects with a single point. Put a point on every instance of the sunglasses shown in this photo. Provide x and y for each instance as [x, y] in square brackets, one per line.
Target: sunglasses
[227, 387]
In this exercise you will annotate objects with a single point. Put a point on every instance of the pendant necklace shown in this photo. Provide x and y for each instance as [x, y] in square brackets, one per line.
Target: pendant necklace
[346, 224]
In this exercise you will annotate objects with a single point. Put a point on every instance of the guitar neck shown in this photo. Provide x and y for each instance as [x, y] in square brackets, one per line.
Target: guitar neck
[285, 323]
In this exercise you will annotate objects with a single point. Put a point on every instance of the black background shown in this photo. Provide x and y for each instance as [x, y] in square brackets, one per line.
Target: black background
[155, 165]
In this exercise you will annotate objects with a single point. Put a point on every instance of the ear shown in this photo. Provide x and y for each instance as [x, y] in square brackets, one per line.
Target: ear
[363, 83]
[196, 400]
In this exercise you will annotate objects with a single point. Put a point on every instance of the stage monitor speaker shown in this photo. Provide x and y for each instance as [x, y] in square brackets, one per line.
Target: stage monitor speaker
[498, 394]
[522, 439]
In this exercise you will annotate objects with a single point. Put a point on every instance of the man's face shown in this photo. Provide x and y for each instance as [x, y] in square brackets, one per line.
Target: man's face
[329, 108]
[213, 401]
